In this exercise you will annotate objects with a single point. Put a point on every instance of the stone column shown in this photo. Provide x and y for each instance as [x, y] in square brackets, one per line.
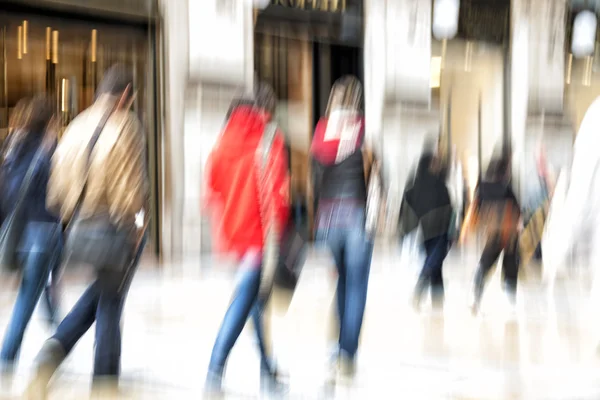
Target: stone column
[208, 53]
[175, 51]
[221, 66]
[537, 63]
[397, 31]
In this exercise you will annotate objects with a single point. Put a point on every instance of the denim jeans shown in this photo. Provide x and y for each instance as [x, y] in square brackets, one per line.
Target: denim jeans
[243, 305]
[37, 265]
[431, 273]
[352, 251]
[102, 302]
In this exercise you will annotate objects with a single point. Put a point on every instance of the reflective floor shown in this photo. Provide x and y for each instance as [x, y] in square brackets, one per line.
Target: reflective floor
[544, 350]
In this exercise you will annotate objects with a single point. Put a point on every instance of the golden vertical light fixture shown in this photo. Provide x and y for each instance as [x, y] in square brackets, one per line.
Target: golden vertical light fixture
[25, 34]
[569, 68]
[48, 41]
[20, 42]
[94, 45]
[64, 94]
[54, 47]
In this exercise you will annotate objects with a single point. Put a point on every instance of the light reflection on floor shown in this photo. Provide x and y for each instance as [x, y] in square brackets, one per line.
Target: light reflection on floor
[538, 352]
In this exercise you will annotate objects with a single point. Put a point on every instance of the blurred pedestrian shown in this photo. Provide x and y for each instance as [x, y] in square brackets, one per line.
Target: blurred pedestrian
[248, 196]
[574, 218]
[426, 204]
[99, 174]
[341, 181]
[496, 209]
[26, 166]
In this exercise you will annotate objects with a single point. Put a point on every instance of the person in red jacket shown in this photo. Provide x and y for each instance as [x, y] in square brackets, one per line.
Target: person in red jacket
[248, 195]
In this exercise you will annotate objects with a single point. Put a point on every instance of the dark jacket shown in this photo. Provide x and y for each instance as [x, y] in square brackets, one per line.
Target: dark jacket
[426, 203]
[14, 167]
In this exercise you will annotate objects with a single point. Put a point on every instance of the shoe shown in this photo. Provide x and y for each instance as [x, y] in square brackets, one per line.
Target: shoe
[346, 368]
[213, 388]
[7, 371]
[271, 386]
[48, 360]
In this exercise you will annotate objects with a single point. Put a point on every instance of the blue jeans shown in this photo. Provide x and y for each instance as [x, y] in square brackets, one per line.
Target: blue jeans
[244, 304]
[431, 273]
[352, 251]
[37, 265]
[102, 302]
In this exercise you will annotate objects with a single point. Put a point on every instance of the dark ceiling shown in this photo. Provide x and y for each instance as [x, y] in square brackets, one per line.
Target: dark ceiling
[485, 20]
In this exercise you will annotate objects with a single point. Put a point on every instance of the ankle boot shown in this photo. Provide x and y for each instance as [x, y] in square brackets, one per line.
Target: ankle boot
[478, 290]
[48, 360]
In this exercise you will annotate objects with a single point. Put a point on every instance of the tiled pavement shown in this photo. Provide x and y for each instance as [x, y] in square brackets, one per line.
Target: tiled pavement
[172, 316]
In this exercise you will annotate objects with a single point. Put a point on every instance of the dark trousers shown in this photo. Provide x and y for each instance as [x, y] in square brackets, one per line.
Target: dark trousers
[37, 265]
[244, 305]
[352, 252]
[102, 303]
[510, 265]
[431, 273]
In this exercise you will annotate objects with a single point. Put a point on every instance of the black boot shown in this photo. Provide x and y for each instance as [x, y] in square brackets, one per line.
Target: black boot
[420, 287]
[48, 360]
[478, 291]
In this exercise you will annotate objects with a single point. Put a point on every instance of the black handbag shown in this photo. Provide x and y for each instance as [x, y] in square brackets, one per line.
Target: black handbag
[96, 241]
[12, 228]
[292, 255]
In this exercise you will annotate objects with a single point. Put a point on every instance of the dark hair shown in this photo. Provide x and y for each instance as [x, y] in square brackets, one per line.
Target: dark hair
[115, 81]
[497, 170]
[32, 114]
[238, 102]
[346, 92]
[264, 97]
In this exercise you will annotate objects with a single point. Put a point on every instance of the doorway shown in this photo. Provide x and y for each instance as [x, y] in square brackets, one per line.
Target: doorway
[65, 57]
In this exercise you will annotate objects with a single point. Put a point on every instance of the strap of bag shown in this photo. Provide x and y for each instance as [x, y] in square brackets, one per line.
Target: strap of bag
[270, 251]
[91, 145]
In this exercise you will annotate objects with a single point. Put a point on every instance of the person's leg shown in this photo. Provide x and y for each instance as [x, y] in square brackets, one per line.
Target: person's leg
[80, 318]
[70, 330]
[51, 293]
[357, 256]
[114, 286]
[266, 364]
[425, 276]
[490, 255]
[35, 274]
[437, 278]
[510, 270]
[244, 299]
[337, 249]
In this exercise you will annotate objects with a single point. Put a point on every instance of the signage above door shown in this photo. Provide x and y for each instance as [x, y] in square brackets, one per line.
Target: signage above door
[313, 5]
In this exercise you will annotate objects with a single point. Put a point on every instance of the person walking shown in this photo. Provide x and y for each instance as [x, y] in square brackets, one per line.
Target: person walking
[497, 208]
[106, 181]
[26, 161]
[247, 192]
[426, 204]
[341, 181]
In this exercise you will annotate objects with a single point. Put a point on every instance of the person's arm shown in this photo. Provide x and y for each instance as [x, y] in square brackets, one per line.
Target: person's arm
[128, 171]
[470, 217]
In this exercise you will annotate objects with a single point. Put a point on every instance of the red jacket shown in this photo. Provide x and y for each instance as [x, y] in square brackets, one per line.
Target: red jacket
[232, 183]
